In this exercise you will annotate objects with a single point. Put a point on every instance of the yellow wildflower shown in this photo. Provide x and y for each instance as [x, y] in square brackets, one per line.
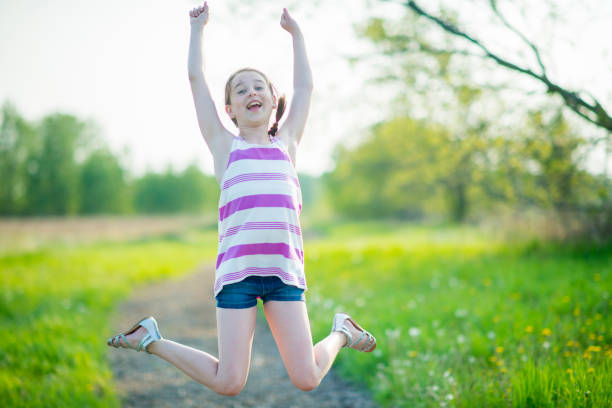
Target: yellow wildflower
[486, 282]
[503, 369]
[500, 363]
[496, 319]
[569, 371]
[566, 354]
[599, 338]
[595, 349]
[577, 311]
[521, 349]
[412, 353]
[598, 316]
[546, 332]
[499, 349]
[592, 336]
[492, 359]
[591, 370]
[529, 329]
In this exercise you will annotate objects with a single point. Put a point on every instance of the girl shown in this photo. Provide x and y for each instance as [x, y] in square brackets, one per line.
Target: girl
[260, 242]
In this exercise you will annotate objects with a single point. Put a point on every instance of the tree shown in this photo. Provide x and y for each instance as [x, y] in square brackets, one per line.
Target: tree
[587, 107]
[18, 142]
[53, 183]
[189, 191]
[103, 187]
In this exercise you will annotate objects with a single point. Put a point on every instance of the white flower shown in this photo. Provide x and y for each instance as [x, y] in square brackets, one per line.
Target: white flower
[414, 331]
[393, 334]
[435, 323]
[435, 388]
[461, 312]
[471, 359]
[546, 345]
[461, 339]
[491, 335]
[449, 397]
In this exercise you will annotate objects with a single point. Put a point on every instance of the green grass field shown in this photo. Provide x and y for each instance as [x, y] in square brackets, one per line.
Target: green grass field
[55, 306]
[465, 321]
[461, 319]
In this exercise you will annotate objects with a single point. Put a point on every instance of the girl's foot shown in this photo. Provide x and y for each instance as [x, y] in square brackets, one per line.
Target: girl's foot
[138, 337]
[133, 339]
[356, 336]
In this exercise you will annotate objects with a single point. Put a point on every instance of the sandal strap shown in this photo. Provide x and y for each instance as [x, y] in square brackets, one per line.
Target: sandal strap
[126, 342]
[371, 341]
[349, 337]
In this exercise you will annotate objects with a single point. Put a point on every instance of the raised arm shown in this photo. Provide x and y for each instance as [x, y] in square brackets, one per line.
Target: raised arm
[216, 136]
[293, 127]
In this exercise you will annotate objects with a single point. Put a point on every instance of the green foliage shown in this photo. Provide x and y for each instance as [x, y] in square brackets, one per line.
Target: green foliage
[60, 167]
[189, 191]
[56, 306]
[464, 320]
[410, 169]
[103, 185]
[53, 186]
[405, 169]
[18, 142]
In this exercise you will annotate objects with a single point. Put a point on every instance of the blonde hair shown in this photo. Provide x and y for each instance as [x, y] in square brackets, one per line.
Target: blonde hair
[280, 109]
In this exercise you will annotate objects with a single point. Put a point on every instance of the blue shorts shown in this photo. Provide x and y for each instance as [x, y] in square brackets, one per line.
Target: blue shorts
[244, 294]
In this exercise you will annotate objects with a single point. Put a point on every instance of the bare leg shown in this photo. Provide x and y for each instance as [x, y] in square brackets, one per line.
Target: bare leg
[306, 365]
[226, 375]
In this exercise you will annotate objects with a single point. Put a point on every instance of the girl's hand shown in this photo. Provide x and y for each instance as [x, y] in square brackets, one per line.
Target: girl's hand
[288, 23]
[199, 15]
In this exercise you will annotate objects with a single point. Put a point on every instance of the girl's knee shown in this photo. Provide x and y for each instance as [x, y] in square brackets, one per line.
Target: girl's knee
[305, 382]
[230, 386]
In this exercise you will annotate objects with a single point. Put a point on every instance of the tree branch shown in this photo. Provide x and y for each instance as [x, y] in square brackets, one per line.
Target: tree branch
[592, 112]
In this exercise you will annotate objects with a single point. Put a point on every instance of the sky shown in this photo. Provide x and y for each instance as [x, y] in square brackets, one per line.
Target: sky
[123, 64]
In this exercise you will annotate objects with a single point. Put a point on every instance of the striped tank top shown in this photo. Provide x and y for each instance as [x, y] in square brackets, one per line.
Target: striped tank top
[259, 208]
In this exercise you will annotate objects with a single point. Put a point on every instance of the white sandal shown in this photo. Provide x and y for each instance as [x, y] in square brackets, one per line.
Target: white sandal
[339, 325]
[152, 335]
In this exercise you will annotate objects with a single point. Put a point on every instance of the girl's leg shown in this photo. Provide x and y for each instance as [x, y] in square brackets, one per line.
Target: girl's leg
[226, 375]
[306, 365]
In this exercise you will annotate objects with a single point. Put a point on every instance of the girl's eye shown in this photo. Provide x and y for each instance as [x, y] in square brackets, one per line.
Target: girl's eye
[259, 88]
[241, 91]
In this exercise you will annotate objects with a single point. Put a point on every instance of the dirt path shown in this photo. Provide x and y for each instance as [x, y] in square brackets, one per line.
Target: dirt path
[185, 311]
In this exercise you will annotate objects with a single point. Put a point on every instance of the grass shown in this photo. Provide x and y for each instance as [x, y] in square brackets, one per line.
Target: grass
[462, 320]
[466, 321]
[55, 306]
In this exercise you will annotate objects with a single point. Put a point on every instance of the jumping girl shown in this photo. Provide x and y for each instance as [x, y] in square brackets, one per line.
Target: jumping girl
[260, 251]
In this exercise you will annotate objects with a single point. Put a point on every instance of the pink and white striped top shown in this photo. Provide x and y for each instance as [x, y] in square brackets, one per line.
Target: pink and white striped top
[259, 208]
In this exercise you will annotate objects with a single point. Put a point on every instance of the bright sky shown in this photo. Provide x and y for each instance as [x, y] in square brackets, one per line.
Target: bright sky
[123, 64]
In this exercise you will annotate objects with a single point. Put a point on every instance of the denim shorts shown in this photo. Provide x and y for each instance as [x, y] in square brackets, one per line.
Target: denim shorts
[244, 294]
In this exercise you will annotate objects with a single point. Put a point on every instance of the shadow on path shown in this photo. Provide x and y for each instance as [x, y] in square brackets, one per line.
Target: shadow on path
[185, 312]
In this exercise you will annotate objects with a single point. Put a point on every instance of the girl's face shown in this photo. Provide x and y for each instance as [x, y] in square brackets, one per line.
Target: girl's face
[252, 101]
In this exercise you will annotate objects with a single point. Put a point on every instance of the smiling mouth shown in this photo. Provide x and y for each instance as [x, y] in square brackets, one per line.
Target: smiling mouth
[254, 106]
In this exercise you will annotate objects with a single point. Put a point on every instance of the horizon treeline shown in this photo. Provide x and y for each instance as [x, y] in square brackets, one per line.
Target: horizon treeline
[61, 166]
